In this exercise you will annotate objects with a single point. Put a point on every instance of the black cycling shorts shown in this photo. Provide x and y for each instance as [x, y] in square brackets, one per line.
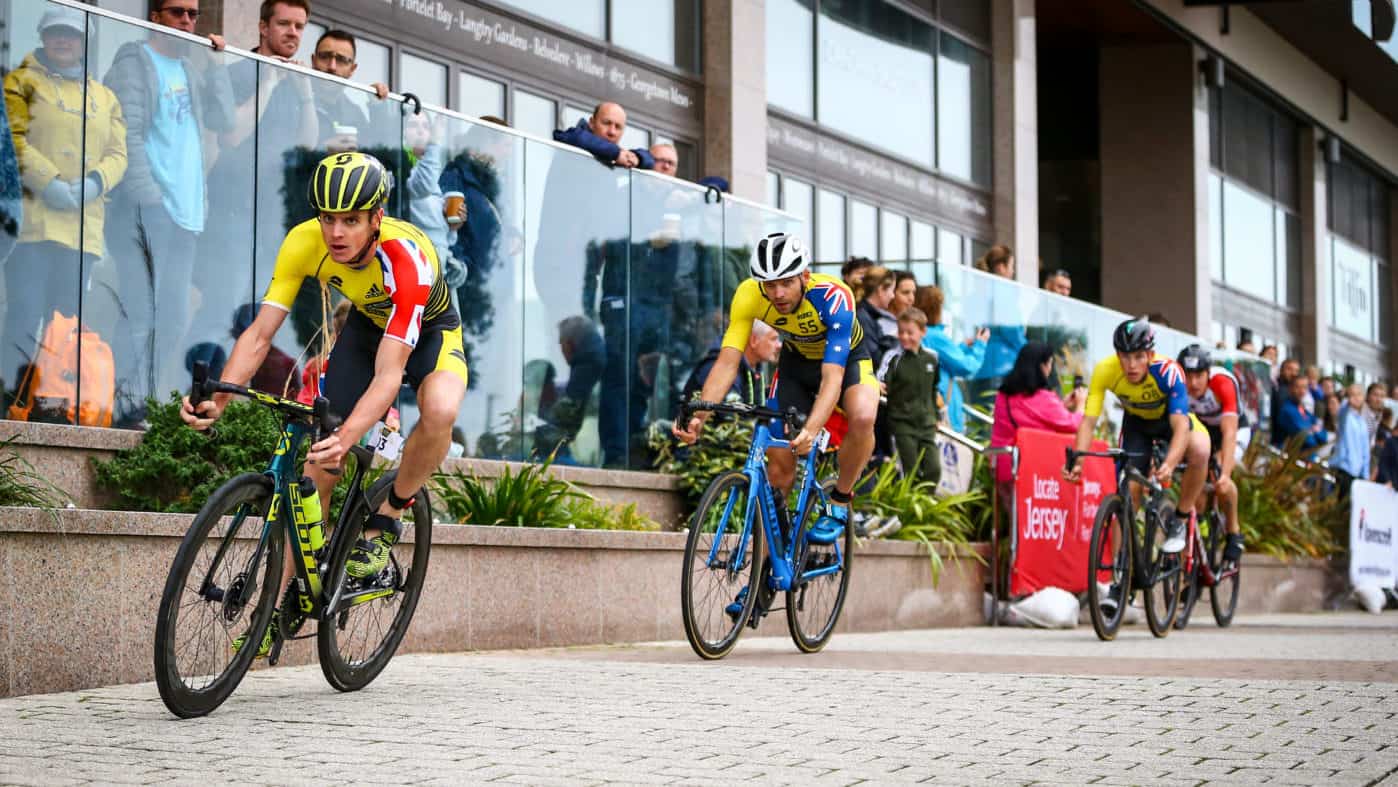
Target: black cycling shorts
[798, 378]
[350, 367]
[1138, 433]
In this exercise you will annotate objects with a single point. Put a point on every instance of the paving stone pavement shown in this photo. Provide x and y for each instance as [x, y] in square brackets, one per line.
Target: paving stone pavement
[655, 714]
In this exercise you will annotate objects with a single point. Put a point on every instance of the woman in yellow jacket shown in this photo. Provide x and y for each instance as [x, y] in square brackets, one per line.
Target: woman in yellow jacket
[66, 166]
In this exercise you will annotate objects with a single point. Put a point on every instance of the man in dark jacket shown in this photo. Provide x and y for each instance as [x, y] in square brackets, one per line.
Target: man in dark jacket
[586, 354]
[600, 135]
[170, 92]
[1290, 370]
[909, 375]
[764, 345]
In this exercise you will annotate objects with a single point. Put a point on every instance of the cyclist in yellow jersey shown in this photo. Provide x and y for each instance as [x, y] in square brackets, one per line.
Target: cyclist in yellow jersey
[1152, 390]
[824, 362]
[403, 327]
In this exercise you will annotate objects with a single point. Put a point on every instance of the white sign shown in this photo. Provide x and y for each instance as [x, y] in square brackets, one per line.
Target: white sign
[1373, 519]
[958, 462]
[1353, 290]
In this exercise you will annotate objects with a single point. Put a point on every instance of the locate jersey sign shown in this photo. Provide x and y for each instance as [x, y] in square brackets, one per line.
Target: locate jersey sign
[1373, 558]
[473, 33]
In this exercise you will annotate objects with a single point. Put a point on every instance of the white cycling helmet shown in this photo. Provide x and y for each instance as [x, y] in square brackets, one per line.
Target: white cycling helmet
[778, 256]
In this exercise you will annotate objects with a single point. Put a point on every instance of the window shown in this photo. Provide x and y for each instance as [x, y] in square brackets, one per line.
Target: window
[373, 60]
[798, 199]
[478, 96]
[893, 238]
[424, 78]
[663, 31]
[1360, 273]
[309, 37]
[584, 16]
[773, 189]
[950, 248]
[863, 230]
[830, 236]
[963, 109]
[876, 65]
[790, 56]
[922, 242]
[534, 114]
[1254, 233]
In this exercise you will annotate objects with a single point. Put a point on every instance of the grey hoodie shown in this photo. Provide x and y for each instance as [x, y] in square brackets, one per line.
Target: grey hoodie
[133, 79]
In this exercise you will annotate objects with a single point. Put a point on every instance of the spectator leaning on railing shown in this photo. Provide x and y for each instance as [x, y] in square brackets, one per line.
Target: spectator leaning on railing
[67, 165]
[667, 159]
[600, 135]
[1059, 282]
[336, 53]
[1351, 457]
[171, 91]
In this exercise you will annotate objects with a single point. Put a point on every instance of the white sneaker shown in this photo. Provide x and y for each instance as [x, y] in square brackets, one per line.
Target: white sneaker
[1111, 598]
[1174, 537]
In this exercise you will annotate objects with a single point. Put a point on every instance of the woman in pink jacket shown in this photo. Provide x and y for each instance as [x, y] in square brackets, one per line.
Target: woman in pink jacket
[1026, 401]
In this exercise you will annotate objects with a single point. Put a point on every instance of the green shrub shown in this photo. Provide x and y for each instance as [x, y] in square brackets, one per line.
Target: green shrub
[21, 484]
[723, 445]
[175, 468]
[530, 497]
[926, 518]
[1283, 507]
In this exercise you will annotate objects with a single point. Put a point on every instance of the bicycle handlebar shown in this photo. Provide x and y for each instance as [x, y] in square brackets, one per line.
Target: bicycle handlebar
[1132, 473]
[791, 417]
[317, 414]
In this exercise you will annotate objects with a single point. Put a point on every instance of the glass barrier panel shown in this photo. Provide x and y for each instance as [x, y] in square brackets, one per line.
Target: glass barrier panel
[484, 172]
[162, 284]
[577, 245]
[675, 314]
[54, 248]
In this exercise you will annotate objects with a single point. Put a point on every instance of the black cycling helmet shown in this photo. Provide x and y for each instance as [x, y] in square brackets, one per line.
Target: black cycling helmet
[345, 182]
[1195, 358]
[1134, 335]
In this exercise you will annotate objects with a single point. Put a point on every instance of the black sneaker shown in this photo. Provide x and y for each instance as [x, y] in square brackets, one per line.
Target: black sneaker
[1233, 552]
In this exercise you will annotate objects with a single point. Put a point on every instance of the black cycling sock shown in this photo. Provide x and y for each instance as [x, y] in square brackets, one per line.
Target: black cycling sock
[385, 523]
[843, 498]
[397, 502]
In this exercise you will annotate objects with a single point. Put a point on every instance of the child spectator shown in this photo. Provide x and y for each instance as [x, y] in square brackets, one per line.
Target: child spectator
[908, 374]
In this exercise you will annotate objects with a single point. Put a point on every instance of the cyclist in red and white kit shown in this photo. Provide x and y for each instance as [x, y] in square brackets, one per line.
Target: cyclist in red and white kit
[1213, 399]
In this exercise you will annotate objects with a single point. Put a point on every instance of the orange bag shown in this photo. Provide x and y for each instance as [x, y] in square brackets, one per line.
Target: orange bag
[52, 375]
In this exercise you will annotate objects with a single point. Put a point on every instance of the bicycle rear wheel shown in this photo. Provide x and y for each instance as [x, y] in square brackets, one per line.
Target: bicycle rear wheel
[357, 638]
[222, 583]
[1223, 596]
[1162, 585]
[1189, 593]
[720, 567]
[1109, 568]
[813, 606]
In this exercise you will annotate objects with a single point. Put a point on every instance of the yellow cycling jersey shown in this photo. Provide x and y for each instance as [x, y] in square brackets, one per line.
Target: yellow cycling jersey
[399, 290]
[823, 328]
[1162, 393]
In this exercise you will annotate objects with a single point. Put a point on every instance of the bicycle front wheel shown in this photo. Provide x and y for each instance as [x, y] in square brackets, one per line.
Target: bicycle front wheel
[1223, 596]
[818, 594]
[1109, 568]
[370, 616]
[223, 583]
[1162, 585]
[719, 577]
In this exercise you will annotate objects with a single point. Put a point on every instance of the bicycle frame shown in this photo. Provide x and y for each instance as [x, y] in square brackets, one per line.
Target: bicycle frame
[784, 550]
[1198, 550]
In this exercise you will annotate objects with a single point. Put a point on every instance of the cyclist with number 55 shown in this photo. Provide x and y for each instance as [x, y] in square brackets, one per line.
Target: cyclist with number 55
[1152, 391]
[403, 327]
[824, 362]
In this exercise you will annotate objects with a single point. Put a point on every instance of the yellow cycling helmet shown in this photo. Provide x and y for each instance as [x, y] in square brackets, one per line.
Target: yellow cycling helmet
[346, 182]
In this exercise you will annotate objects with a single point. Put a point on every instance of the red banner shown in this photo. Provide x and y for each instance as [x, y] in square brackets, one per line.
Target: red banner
[1054, 517]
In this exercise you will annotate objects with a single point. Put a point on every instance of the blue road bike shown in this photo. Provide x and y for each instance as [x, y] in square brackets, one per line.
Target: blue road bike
[728, 581]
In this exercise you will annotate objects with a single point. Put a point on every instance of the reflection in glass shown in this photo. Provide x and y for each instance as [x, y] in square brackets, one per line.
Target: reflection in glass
[876, 76]
[830, 235]
[790, 58]
[963, 106]
[1249, 255]
[863, 230]
[534, 114]
[577, 250]
[478, 96]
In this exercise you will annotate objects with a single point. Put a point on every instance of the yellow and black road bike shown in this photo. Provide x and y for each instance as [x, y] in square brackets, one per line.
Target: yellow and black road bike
[225, 582]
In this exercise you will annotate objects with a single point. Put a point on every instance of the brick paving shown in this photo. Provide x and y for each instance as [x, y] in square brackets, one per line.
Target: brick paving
[1318, 705]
